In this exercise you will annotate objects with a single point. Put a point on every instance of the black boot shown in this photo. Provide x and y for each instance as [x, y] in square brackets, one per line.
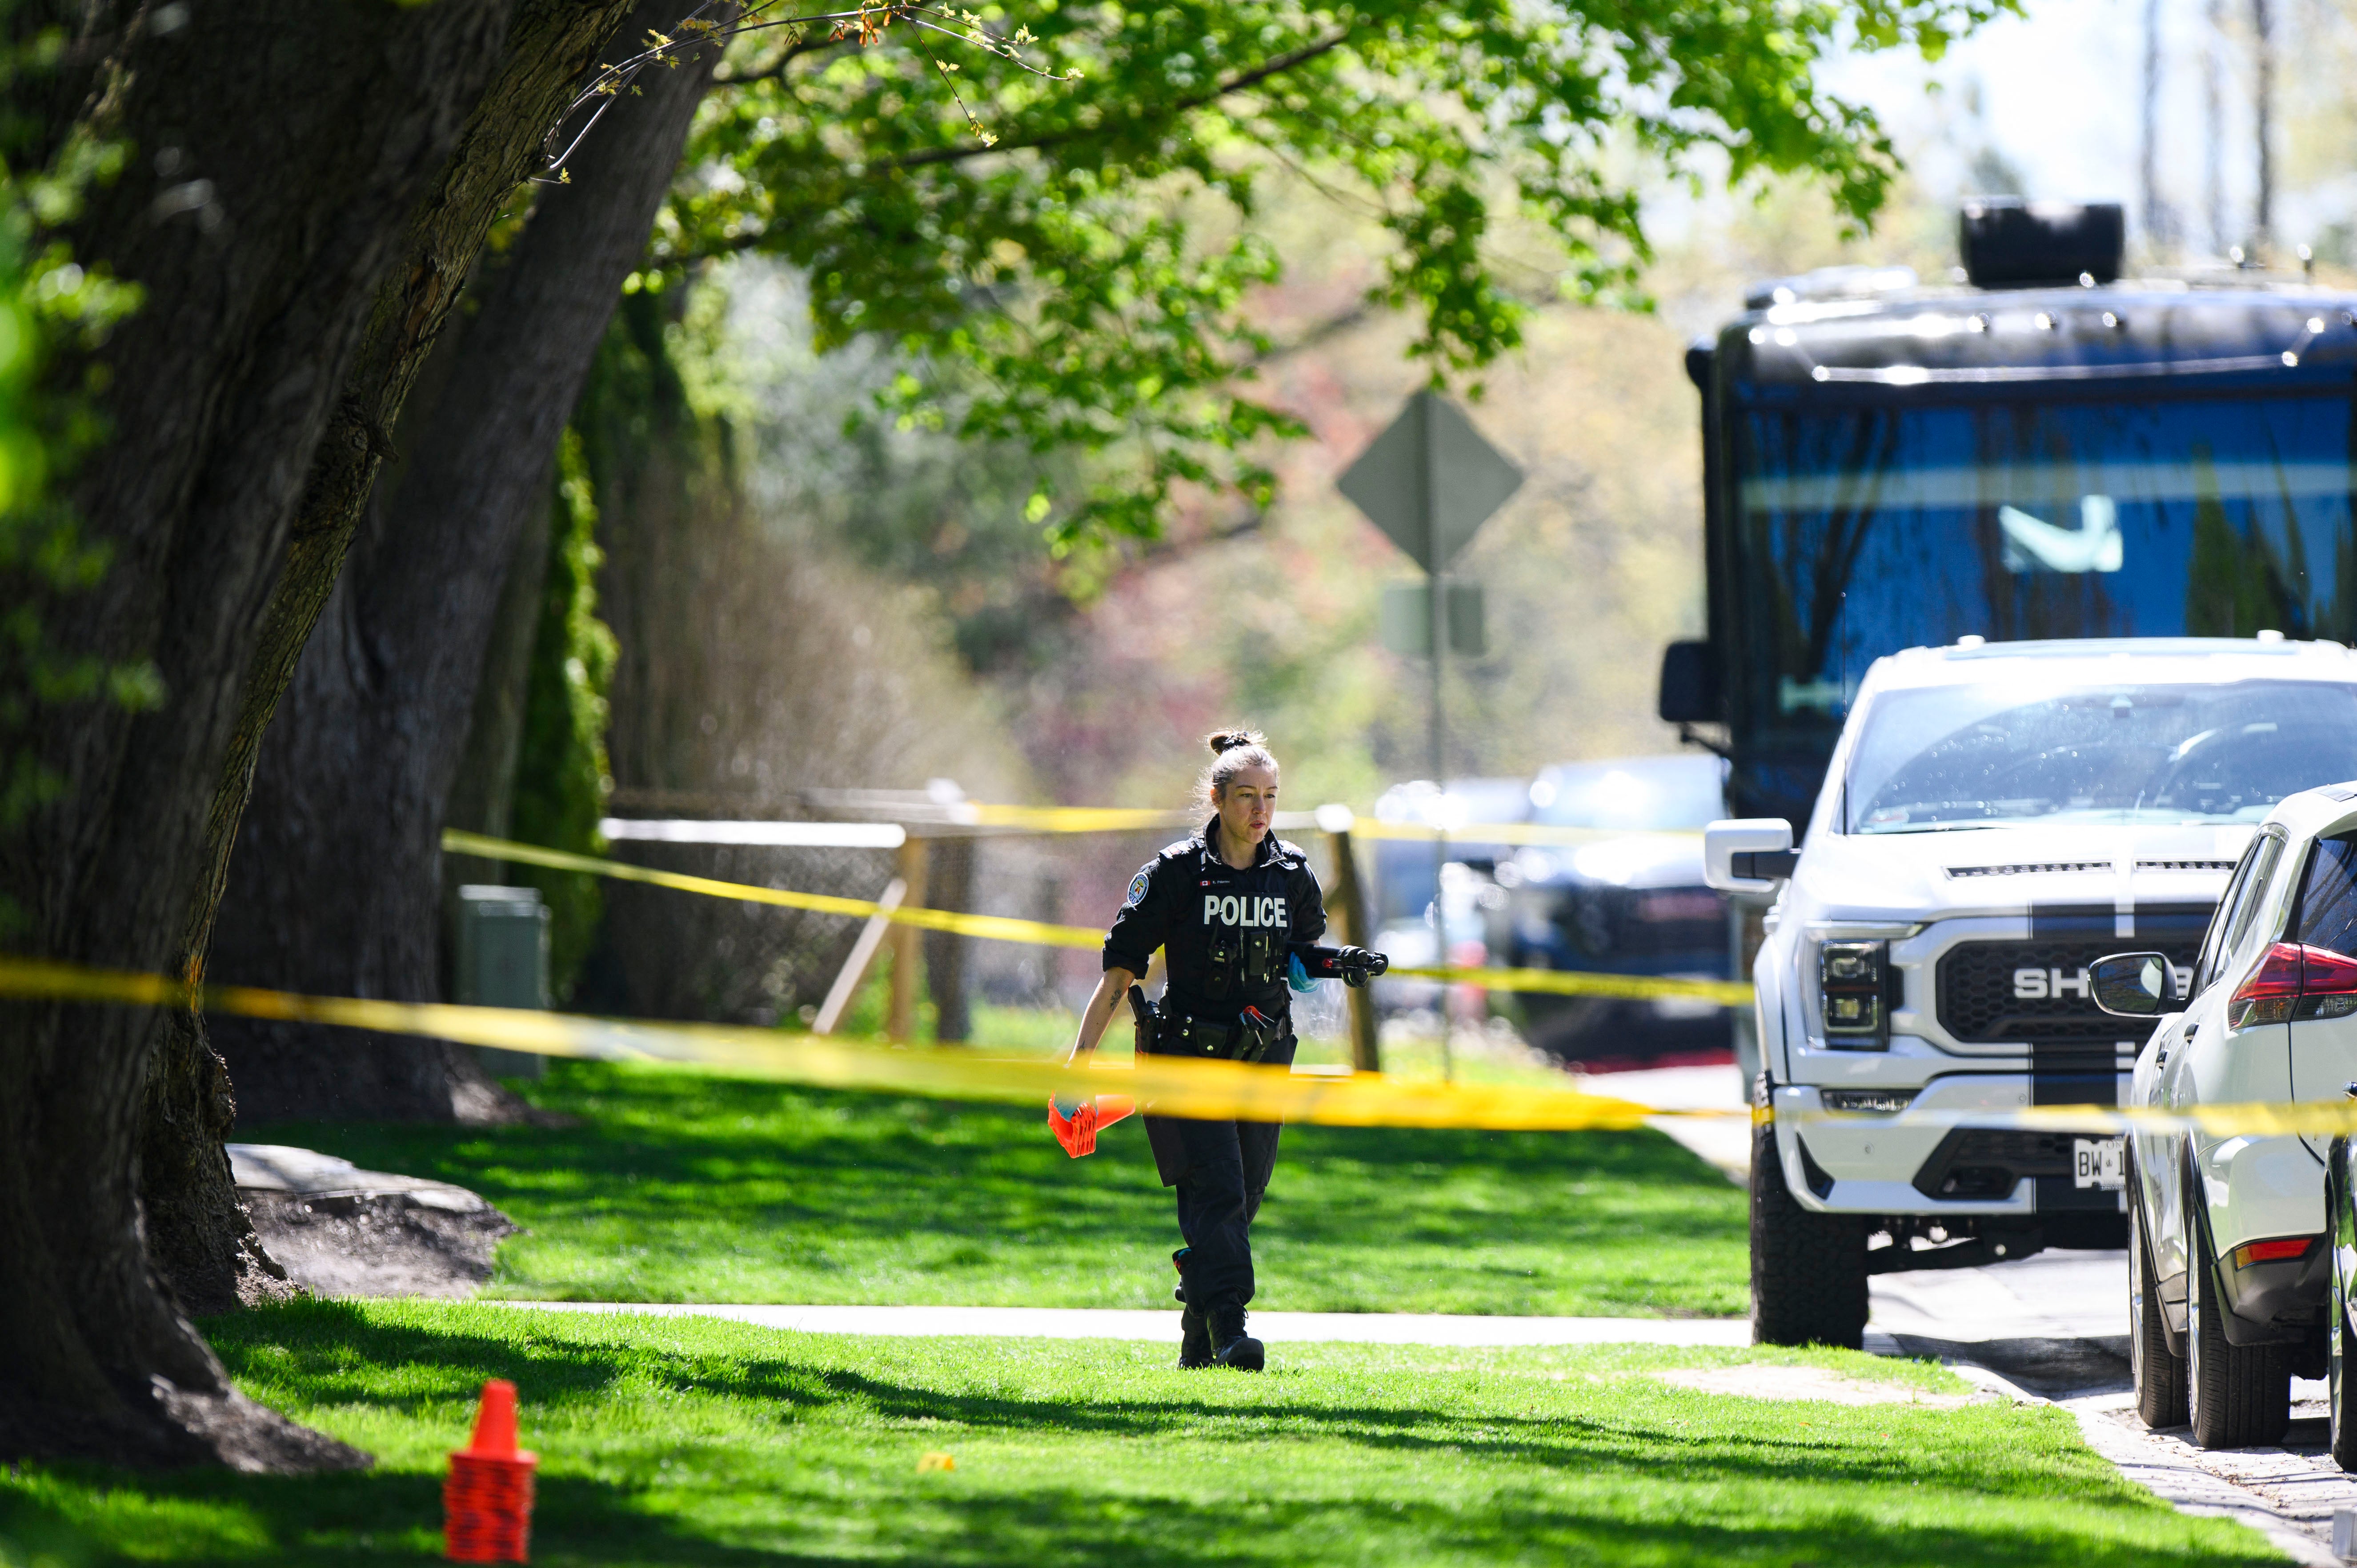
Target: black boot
[1231, 1345]
[1194, 1323]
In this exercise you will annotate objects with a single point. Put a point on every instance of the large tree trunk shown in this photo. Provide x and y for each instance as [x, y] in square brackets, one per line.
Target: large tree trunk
[199, 1232]
[300, 136]
[482, 796]
[337, 882]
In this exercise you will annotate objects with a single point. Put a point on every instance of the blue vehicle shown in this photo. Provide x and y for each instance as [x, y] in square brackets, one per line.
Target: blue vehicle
[2045, 453]
[1630, 901]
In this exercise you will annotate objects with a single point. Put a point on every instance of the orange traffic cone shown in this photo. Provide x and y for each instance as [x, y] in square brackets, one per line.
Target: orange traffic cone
[487, 1501]
[1077, 1132]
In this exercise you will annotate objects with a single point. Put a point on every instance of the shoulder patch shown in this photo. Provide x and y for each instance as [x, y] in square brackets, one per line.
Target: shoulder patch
[1138, 887]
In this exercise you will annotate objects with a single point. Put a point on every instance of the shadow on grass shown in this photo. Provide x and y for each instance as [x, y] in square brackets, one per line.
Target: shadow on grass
[1758, 1441]
[805, 1492]
[658, 1146]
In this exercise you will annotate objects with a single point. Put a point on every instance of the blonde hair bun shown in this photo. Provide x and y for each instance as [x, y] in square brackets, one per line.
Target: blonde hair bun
[1234, 749]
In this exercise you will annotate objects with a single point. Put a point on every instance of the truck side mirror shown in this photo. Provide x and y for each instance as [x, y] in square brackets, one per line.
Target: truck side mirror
[1750, 855]
[1689, 684]
[2134, 984]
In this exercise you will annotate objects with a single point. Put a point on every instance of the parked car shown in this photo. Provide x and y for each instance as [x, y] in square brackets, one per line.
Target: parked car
[1405, 867]
[1997, 818]
[2230, 1270]
[1631, 901]
[1406, 915]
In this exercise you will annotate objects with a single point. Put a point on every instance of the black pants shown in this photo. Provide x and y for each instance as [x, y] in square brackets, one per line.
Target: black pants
[1219, 1169]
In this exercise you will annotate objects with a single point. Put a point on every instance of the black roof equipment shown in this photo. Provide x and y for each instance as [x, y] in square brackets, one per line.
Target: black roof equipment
[2011, 243]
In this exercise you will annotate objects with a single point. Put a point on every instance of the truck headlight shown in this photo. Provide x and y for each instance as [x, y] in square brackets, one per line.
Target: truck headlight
[1851, 982]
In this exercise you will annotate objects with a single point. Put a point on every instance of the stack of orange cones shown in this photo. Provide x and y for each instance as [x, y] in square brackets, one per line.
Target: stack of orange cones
[487, 1501]
[1078, 1132]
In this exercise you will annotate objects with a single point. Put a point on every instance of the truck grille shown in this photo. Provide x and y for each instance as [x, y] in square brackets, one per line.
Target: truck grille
[1988, 994]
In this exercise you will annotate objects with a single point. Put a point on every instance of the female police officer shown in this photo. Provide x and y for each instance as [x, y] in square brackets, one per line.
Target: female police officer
[1238, 910]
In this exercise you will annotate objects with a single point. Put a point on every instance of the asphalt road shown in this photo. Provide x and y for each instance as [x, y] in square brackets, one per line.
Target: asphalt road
[2055, 1326]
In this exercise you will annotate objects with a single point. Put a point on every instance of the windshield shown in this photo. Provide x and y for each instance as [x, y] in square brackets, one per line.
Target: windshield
[1862, 531]
[1978, 757]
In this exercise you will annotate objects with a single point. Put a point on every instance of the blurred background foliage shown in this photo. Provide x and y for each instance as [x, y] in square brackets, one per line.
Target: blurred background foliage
[806, 596]
[918, 456]
[1070, 256]
[47, 300]
[562, 777]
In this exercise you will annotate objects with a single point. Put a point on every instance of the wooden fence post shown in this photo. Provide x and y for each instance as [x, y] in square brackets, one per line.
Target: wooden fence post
[1348, 904]
[907, 945]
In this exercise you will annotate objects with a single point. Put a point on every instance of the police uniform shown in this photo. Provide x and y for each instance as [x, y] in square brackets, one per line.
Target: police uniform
[1230, 935]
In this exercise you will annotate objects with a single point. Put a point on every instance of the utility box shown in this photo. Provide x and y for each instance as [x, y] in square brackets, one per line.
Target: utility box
[503, 962]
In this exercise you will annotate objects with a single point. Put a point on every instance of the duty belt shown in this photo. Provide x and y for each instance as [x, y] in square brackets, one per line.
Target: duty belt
[1247, 1038]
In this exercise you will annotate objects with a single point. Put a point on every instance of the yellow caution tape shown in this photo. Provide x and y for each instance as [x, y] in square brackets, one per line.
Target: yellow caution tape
[1171, 1086]
[1579, 983]
[999, 928]
[1214, 1089]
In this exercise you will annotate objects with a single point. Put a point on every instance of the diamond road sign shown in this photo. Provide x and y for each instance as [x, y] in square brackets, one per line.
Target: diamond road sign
[1430, 480]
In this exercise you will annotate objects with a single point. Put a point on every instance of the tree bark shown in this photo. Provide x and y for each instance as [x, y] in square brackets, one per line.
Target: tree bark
[336, 885]
[200, 1231]
[300, 137]
[482, 794]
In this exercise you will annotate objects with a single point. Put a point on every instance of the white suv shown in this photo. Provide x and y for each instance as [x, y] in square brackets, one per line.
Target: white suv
[2229, 1271]
[1995, 817]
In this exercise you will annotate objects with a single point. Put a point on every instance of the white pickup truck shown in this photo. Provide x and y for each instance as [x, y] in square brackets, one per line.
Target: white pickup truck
[1995, 817]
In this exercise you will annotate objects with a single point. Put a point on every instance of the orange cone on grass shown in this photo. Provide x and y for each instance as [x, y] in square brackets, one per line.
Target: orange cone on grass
[487, 1501]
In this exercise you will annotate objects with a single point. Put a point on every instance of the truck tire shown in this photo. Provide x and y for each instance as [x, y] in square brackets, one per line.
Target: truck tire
[2158, 1371]
[1808, 1270]
[2238, 1396]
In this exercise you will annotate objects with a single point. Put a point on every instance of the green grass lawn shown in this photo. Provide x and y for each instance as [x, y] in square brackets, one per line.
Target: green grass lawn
[670, 1442]
[677, 1185]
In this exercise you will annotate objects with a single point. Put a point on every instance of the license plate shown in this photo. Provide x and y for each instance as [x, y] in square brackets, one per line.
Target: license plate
[2099, 1162]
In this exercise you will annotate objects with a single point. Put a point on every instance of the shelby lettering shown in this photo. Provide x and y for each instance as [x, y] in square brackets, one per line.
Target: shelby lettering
[2054, 984]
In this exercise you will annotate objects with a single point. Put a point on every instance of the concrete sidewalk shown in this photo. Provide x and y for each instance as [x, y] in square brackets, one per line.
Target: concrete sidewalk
[1277, 1327]
[2000, 1316]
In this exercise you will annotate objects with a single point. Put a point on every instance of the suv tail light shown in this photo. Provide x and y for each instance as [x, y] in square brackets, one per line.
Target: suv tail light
[2328, 985]
[2295, 981]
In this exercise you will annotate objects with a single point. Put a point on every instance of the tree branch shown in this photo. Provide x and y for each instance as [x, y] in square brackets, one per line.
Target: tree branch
[1239, 84]
[776, 70]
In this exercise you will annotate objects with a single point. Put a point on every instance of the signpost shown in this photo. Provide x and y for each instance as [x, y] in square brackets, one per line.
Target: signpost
[1429, 482]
